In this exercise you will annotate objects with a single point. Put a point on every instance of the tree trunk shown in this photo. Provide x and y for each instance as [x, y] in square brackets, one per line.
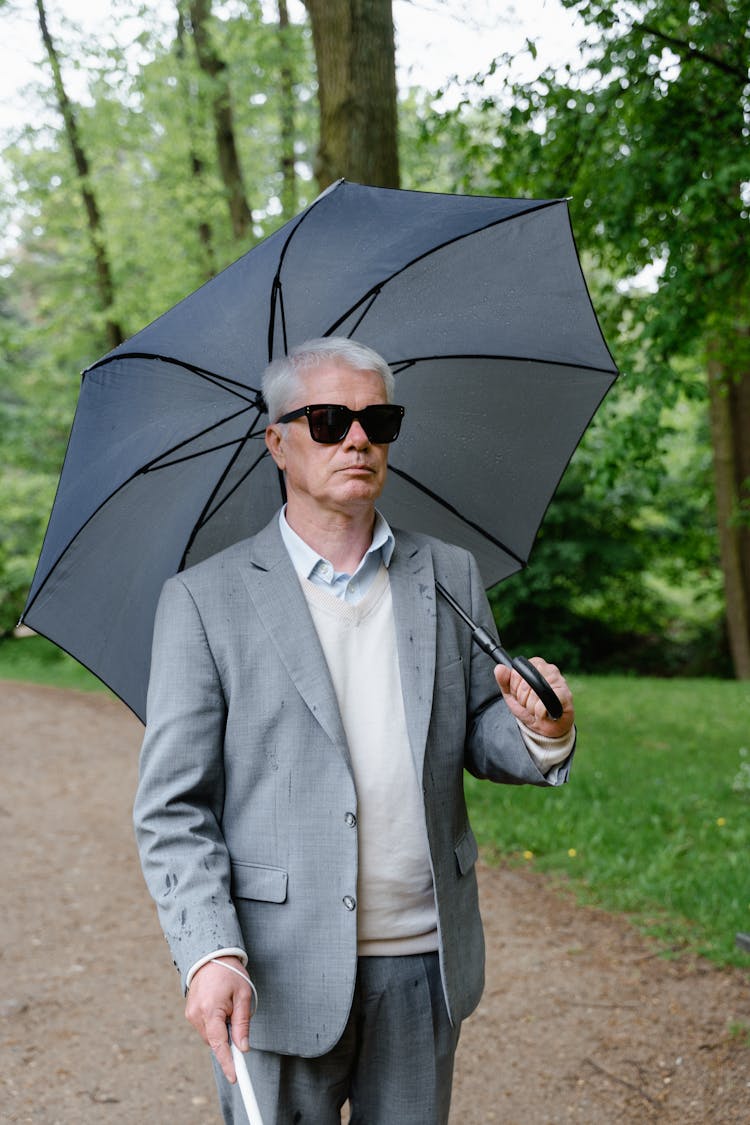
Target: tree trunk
[205, 234]
[286, 92]
[104, 283]
[215, 68]
[355, 56]
[729, 400]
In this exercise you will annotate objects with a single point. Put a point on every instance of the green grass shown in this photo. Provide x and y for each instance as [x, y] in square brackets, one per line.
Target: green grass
[650, 823]
[656, 826]
[37, 661]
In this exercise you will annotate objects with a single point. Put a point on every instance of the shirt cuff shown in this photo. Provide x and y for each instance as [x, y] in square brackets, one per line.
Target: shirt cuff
[547, 752]
[212, 957]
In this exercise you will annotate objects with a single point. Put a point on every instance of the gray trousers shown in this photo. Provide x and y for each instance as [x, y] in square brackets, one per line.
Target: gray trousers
[394, 1061]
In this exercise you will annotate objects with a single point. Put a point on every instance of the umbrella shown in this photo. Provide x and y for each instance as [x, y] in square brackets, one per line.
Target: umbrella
[481, 308]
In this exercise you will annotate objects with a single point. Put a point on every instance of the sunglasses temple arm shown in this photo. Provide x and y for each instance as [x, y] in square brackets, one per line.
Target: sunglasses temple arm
[520, 664]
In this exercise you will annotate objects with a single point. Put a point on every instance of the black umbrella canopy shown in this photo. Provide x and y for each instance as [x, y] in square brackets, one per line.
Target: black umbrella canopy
[479, 305]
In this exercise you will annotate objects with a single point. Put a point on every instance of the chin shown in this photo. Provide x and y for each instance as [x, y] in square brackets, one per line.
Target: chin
[364, 491]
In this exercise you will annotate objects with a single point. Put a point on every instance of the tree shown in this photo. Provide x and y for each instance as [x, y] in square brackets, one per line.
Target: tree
[287, 130]
[104, 280]
[197, 164]
[355, 56]
[215, 69]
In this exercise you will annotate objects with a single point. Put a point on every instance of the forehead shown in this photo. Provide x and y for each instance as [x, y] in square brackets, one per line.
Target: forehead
[337, 382]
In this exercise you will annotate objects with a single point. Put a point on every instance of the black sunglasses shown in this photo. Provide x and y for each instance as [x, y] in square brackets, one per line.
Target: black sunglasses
[330, 423]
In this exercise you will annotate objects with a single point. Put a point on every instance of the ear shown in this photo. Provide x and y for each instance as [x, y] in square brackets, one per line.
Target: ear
[275, 445]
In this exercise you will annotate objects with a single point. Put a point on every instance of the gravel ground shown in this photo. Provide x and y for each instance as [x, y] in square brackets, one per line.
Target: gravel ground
[581, 1020]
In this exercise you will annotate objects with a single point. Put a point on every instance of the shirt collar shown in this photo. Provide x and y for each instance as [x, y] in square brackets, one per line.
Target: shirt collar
[305, 560]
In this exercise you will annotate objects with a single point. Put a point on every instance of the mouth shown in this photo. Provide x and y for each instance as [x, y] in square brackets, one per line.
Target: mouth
[357, 468]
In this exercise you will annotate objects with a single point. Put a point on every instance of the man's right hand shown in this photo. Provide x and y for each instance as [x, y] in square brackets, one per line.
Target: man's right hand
[217, 995]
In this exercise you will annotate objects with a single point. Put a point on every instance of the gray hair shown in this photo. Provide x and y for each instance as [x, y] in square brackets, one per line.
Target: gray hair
[281, 379]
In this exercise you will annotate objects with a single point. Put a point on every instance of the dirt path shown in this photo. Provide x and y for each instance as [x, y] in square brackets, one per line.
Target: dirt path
[581, 1021]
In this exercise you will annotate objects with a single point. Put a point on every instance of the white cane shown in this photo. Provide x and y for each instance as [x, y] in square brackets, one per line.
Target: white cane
[247, 1092]
[246, 1087]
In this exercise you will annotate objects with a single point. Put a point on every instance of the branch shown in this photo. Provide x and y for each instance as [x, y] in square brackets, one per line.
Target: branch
[685, 45]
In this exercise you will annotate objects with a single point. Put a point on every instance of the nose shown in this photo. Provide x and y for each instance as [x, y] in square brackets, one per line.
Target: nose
[356, 435]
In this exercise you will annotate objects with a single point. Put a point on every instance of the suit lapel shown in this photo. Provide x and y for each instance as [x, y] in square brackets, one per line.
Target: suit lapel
[277, 596]
[413, 592]
[275, 591]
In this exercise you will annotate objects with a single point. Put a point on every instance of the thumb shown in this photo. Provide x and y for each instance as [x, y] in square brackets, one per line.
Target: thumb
[240, 1022]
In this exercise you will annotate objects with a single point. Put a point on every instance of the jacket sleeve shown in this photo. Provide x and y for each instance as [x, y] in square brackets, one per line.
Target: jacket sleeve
[495, 748]
[180, 794]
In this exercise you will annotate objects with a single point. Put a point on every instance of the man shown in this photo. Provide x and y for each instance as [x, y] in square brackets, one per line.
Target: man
[300, 812]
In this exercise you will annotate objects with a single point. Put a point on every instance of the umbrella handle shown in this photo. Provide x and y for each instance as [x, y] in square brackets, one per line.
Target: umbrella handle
[536, 680]
[520, 664]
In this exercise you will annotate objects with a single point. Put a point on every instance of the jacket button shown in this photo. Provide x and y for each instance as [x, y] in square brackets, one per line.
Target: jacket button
[350, 819]
[349, 902]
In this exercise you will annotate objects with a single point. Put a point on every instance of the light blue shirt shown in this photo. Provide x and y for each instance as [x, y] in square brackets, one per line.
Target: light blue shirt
[320, 571]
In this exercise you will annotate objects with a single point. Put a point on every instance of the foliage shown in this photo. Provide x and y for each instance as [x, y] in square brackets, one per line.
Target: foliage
[24, 500]
[37, 661]
[650, 823]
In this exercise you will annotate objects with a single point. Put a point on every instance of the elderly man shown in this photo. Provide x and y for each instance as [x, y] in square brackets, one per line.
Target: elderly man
[300, 813]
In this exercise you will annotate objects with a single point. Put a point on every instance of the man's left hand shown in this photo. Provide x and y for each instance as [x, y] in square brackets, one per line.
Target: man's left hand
[526, 705]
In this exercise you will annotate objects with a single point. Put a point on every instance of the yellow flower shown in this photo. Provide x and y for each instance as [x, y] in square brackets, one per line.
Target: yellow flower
[528, 855]
[572, 853]
[721, 821]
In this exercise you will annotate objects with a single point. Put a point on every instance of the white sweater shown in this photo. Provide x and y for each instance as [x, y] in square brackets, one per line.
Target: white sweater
[395, 899]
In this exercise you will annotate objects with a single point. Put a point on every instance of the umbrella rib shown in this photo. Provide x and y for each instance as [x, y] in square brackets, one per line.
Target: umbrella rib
[400, 365]
[375, 293]
[150, 466]
[223, 382]
[454, 511]
[588, 293]
[235, 486]
[199, 453]
[276, 285]
[204, 517]
[153, 464]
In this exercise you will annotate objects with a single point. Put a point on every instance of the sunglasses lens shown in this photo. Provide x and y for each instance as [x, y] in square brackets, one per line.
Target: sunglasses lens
[328, 424]
[382, 423]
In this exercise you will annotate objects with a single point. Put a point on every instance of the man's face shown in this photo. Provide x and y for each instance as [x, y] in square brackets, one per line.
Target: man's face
[340, 477]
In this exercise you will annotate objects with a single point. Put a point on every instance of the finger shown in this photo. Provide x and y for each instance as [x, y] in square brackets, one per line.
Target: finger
[509, 681]
[524, 693]
[503, 675]
[217, 1037]
[513, 687]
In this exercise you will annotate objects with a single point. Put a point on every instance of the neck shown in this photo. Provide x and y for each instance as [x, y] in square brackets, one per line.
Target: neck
[341, 537]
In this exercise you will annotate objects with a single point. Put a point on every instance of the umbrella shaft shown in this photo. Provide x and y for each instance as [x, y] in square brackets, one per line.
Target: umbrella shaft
[484, 641]
[480, 636]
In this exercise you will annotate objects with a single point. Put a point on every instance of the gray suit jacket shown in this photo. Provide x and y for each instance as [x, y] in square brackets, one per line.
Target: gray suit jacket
[245, 785]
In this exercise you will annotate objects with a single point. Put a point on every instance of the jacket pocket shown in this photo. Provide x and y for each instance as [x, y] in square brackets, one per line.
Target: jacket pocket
[256, 881]
[466, 852]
